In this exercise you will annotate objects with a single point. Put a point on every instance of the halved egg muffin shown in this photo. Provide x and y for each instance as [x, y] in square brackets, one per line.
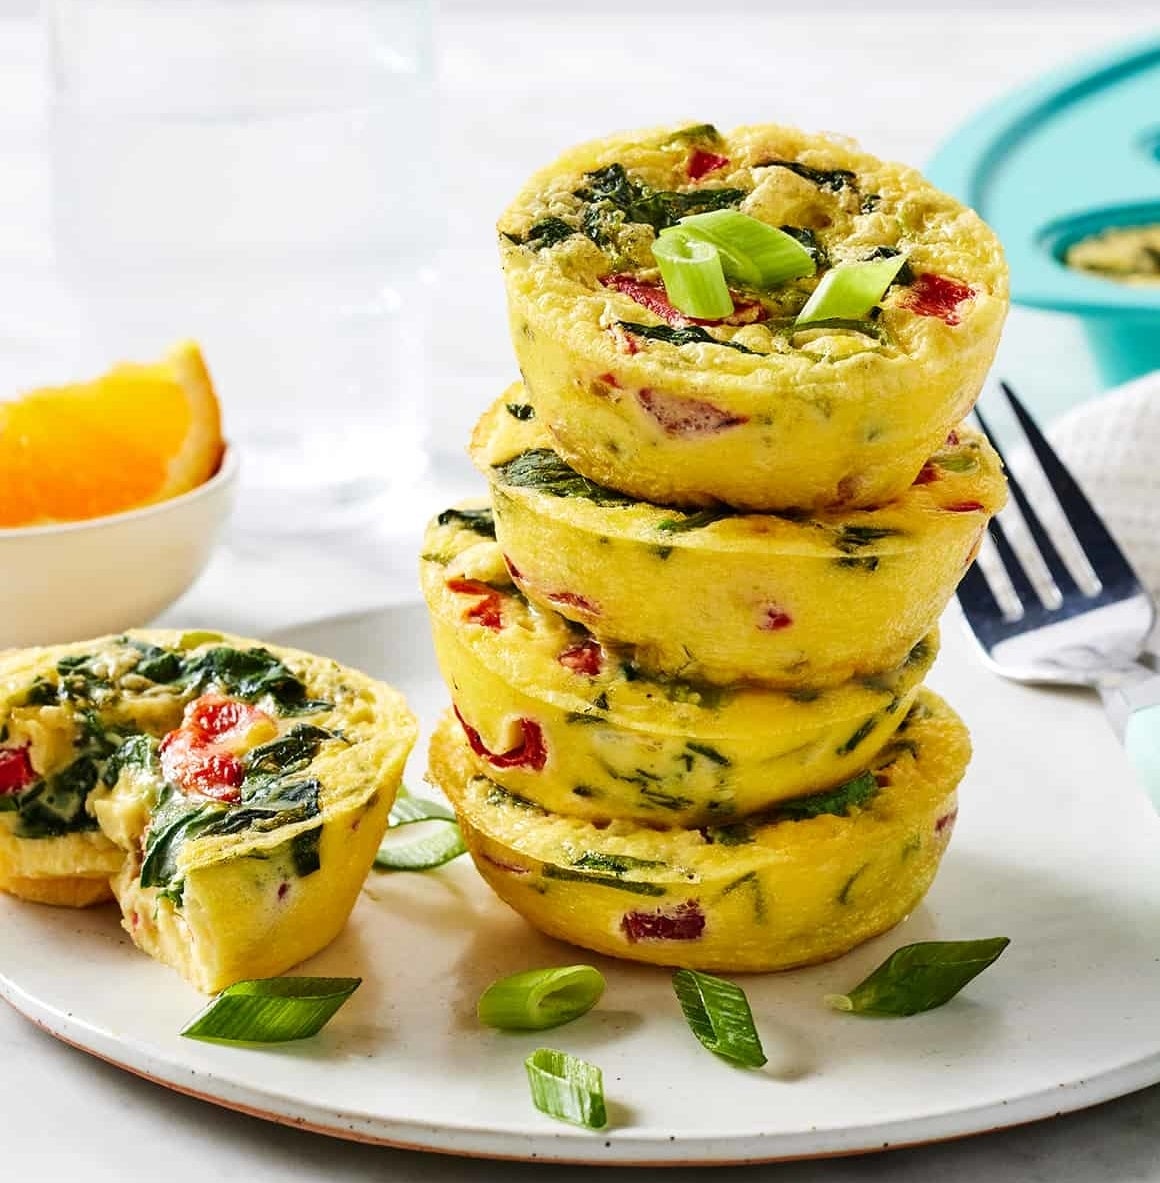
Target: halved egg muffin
[750, 410]
[233, 795]
[578, 727]
[728, 597]
[803, 883]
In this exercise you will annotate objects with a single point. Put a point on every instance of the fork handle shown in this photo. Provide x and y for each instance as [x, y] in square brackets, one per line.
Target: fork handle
[1134, 710]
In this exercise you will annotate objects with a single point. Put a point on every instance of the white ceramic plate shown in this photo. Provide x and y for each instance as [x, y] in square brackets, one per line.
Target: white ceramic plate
[1056, 847]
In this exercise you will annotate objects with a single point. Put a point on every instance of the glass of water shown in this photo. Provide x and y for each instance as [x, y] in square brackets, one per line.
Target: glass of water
[257, 175]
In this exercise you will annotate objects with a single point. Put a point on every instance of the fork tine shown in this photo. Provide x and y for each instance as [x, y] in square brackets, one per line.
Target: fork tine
[1021, 583]
[1060, 574]
[1104, 555]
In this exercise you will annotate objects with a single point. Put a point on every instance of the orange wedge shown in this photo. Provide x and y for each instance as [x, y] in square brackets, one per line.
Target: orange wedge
[138, 435]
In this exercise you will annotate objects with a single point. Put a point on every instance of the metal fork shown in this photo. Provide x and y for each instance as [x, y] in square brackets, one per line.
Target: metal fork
[1078, 638]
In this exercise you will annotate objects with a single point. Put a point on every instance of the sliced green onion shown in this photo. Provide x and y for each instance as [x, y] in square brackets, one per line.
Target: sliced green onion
[693, 278]
[920, 977]
[271, 1010]
[567, 1088]
[540, 998]
[752, 253]
[423, 835]
[850, 290]
[718, 1014]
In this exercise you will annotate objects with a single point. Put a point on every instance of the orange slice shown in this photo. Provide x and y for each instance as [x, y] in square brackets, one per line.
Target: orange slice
[138, 435]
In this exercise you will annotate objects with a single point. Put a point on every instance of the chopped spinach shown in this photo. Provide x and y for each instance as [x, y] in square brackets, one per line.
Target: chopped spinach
[750, 881]
[614, 864]
[663, 800]
[693, 521]
[543, 469]
[832, 179]
[871, 202]
[521, 411]
[710, 753]
[905, 275]
[809, 240]
[498, 795]
[840, 324]
[861, 734]
[55, 805]
[611, 189]
[851, 539]
[838, 801]
[735, 834]
[871, 564]
[137, 751]
[478, 521]
[176, 819]
[635, 886]
[249, 674]
[305, 856]
[158, 665]
[288, 754]
[688, 335]
[544, 233]
[843, 896]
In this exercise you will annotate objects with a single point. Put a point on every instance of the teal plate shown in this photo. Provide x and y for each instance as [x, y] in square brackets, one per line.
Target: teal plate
[1073, 154]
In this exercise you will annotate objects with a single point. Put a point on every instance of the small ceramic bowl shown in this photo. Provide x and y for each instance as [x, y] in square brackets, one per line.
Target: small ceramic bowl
[77, 580]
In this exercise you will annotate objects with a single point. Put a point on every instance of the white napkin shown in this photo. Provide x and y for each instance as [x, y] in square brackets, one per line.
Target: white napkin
[1112, 447]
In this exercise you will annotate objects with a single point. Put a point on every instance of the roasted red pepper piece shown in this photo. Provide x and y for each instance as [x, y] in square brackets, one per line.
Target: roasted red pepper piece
[585, 658]
[701, 163]
[685, 922]
[530, 752]
[489, 610]
[195, 766]
[965, 507]
[574, 600]
[213, 717]
[678, 415]
[927, 474]
[936, 295]
[16, 771]
[775, 619]
[652, 296]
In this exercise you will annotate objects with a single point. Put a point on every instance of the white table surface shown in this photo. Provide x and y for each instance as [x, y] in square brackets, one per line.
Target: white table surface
[516, 85]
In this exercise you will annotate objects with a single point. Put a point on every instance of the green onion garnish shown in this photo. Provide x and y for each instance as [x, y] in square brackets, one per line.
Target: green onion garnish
[271, 1010]
[850, 290]
[752, 253]
[567, 1088]
[540, 998]
[920, 977]
[718, 1014]
[423, 835]
[693, 278]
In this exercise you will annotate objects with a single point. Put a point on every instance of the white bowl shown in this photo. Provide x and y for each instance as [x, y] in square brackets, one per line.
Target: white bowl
[78, 580]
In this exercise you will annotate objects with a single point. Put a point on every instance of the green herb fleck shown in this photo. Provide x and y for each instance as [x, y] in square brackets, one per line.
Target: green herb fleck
[521, 411]
[544, 470]
[688, 335]
[692, 521]
[832, 179]
[633, 886]
[478, 521]
[854, 793]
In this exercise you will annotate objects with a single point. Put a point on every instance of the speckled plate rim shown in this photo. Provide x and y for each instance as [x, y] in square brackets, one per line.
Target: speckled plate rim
[536, 1141]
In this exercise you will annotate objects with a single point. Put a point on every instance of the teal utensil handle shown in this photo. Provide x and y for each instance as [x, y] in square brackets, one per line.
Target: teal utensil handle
[1134, 710]
[1142, 743]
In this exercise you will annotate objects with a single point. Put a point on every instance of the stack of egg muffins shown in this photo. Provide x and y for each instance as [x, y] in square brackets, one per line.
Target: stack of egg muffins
[686, 636]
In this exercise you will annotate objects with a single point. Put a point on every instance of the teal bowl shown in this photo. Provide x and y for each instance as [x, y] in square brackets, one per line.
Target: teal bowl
[1073, 154]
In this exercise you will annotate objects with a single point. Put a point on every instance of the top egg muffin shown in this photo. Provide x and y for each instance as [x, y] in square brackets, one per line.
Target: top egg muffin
[749, 410]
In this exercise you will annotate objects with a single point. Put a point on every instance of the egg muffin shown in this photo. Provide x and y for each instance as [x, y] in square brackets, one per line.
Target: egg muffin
[578, 727]
[231, 796]
[725, 597]
[750, 410]
[802, 883]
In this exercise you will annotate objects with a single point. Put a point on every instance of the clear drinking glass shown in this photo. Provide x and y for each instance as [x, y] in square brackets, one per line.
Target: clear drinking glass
[256, 174]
